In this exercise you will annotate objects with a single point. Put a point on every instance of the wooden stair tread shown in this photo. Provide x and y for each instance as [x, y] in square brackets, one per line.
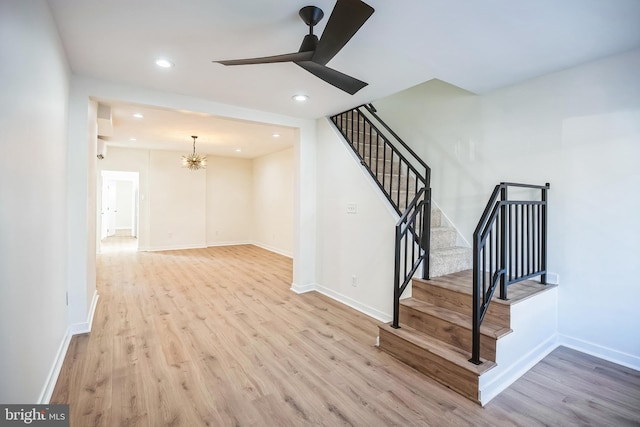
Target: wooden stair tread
[462, 282]
[487, 328]
[449, 352]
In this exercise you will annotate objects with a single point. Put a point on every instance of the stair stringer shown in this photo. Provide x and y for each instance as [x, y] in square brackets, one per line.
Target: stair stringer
[534, 324]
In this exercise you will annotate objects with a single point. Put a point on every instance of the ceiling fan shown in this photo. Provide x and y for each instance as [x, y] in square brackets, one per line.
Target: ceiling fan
[346, 19]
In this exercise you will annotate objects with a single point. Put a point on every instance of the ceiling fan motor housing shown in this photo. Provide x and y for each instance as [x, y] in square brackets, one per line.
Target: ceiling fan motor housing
[311, 15]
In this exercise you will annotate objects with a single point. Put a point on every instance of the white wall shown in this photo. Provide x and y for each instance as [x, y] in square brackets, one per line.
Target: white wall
[361, 244]
[33, 209]
[273, 185]
[229, 200]
[578, 129]
[177, 203]
[233, 201]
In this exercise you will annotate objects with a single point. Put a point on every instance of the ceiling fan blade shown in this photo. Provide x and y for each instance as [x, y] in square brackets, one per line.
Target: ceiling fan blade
[340, 80]
[288, 57]
[346, 19]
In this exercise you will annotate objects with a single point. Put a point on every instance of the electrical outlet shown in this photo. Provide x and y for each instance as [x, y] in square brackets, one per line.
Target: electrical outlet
[354, 280]
[352, 208]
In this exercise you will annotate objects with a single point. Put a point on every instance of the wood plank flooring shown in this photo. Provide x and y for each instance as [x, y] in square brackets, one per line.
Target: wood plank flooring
[214, 337]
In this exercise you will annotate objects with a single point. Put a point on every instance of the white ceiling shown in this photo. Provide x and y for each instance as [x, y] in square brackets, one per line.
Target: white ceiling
[476, 45]
[163, 129]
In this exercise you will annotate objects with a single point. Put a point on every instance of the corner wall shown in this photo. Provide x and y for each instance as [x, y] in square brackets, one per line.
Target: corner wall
[355, 251]
[229, 200]
[273, 203]
[33, 203]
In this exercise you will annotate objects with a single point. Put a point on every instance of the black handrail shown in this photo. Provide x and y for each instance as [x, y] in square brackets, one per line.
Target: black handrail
[365, 137]
[509, 246]
[383, 159]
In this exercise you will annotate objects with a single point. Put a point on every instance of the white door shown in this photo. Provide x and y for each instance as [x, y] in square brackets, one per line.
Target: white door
[108, 208]
[104, 222]
[113, 208]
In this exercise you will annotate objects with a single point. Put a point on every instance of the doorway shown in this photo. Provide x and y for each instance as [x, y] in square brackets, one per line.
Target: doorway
[118, 211]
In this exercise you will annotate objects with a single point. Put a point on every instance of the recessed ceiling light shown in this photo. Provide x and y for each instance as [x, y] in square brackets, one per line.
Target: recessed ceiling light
[164, 63]
[276, 135]
[300, 98]
[238, 150]
[138, 116]
[132, 139]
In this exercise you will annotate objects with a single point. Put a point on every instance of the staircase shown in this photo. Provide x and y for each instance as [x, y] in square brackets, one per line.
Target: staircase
[435, 335]
[400, 182]
[455, 328]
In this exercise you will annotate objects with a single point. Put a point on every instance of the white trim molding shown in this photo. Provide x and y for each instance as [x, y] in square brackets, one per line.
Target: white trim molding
[171, 248]
[303, 289]
[73, 329]
[273, 249]
[362, 308]
[605, 353]
[236, 243]
[52, 378]
[85, 327]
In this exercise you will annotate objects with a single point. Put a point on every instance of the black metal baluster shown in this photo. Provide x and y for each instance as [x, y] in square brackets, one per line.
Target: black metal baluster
[426, 233]
[539, 222]
[406, 191]
[484, 274]
[413, 241]
[543, 278]
[529, 237]
[522, 241]
[406, 252]
[384, 166]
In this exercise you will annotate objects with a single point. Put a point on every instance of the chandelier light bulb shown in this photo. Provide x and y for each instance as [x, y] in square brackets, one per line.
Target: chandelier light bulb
[194, 161]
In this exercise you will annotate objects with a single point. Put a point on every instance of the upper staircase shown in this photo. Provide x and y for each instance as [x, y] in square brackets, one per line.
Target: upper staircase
[454, 327]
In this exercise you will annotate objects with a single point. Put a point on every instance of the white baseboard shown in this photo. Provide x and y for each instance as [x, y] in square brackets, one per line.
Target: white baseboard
[301, 289]
[611, 355]
[517, 370]
[273, 249]
[85, 327]
[54, 373]
[73, 329]
[171, 248]
[363, 308]
[233, 243]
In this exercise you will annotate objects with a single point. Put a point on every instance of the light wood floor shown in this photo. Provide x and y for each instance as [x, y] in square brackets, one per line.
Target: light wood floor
[214, 337]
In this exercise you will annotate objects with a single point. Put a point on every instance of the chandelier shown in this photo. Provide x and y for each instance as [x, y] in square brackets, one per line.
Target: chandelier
[194, 161]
